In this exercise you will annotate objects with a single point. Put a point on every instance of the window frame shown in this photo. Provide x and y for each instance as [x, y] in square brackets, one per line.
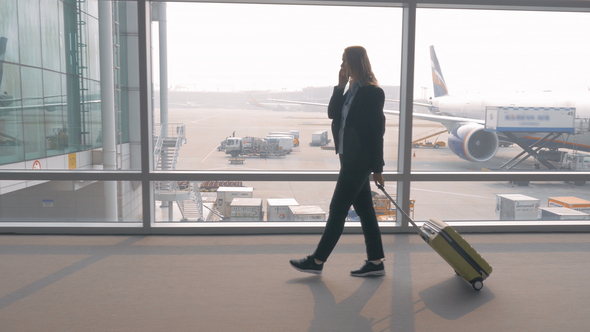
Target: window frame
[403, 176]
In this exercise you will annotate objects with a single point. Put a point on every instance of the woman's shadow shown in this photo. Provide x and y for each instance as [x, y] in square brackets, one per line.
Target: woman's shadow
[344, 315]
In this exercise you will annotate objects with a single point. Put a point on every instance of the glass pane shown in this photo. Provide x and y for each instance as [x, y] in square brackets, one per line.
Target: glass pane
[62, 36]
[70, 201]
[213, 201]
[92, 8]
[501, 200]
[55, 127]
[50, 34]
[240, 56]
[33, 113]
[188, 199]
[9, 31]
[11, 121]
[59, 114]
[93, 48]
[29, 25]
[95, 121]
[528, 74]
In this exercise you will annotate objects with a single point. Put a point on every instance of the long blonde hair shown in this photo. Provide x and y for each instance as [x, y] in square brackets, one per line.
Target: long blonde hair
[359, 65]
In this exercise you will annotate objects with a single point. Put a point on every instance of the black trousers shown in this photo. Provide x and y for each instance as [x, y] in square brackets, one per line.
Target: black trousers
[353, 188]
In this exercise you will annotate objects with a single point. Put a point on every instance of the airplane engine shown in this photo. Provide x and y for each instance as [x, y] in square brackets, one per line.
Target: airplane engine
[471, 142]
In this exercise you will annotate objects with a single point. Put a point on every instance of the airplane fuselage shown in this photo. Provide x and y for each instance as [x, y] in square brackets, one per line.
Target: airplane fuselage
[474, 108]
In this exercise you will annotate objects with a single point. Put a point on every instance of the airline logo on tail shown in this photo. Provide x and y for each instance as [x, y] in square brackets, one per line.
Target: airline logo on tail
[440, 87]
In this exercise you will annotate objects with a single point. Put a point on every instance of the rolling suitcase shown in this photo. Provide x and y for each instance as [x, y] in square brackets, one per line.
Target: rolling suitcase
[453, 248]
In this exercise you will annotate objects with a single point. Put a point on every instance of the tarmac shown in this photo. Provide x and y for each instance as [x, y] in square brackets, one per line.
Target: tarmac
[449, 201]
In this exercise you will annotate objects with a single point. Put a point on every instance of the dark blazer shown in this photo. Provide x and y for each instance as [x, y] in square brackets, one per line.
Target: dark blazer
[364, 129]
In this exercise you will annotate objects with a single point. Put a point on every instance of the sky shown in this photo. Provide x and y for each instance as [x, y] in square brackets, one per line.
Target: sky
[242, 47]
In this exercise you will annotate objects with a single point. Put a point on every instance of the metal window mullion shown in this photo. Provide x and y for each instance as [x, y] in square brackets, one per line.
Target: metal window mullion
[406, 108]
[282, 176]
[143, 22]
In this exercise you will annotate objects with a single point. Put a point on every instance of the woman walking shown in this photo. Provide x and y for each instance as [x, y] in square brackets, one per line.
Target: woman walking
[358, 126]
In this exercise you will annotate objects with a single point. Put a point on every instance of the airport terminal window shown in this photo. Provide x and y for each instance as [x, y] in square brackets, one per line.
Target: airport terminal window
[71, 202]
[256, 201]
[54, 111]
[500, 201]
[230, 69]
[221, 81]
[528, 73]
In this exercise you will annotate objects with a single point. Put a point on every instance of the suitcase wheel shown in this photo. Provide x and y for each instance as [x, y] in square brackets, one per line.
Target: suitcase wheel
[477, 284]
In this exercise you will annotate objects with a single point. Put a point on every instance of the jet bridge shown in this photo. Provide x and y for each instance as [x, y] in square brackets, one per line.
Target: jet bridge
[513, 122]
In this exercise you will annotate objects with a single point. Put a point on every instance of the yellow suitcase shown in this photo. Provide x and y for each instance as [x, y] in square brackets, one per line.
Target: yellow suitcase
[453, 248]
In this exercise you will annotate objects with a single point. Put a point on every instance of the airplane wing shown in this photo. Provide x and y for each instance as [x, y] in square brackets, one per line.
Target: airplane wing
[415, 103]
[297, 102]
[451, 122]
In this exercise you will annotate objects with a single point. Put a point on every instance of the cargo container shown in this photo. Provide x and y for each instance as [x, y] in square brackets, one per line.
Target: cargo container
[319, 138]
[225, 195]
[517, 207]
[292, 133]
[561, 213]
[530, 119]
[209, 197]
[285, 143]
[246, 209]
[277, 209]
[571, 202]
[306, 213]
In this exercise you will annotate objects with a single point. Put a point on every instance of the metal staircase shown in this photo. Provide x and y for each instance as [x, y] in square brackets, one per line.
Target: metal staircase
[167, 144]
[192, 209]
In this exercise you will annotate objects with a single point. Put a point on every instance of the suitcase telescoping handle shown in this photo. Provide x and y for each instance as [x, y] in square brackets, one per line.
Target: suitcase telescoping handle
[423, 234]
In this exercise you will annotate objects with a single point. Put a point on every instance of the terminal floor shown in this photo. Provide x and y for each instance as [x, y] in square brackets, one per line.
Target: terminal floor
[541, 282]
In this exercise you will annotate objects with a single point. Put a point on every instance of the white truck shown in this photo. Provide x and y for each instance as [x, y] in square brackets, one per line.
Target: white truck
[575, 161]
[253, 147]
[319, 138]
[566, 161]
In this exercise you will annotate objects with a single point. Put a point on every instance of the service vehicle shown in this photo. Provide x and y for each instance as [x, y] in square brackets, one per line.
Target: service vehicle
[253, 147]
[435, 145]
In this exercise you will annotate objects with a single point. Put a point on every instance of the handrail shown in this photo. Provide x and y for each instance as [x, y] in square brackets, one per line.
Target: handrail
[157, 145]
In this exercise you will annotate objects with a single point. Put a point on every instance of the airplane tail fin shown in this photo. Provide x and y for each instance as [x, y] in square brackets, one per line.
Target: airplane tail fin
[440, 87]
[256, 103]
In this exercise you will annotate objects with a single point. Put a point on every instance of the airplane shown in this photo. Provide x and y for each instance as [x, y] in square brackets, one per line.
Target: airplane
[279, 106]
[464, 118]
